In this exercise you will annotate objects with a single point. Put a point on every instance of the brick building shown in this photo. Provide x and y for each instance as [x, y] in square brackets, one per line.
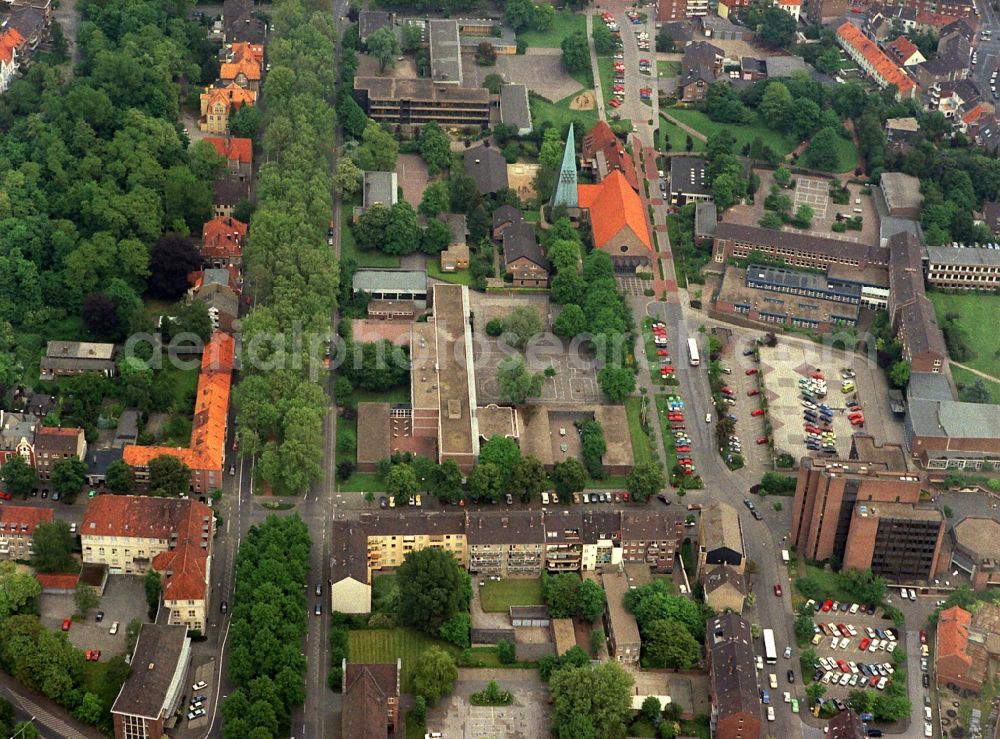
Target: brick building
[911, 312]
[963, 268]
[720, 538]
[976, 550]
[796, 250]
[414, 102]
[52, 444]
[953, 663]
[17, 529]
[732, 678]
[898, 541]
[371, 700]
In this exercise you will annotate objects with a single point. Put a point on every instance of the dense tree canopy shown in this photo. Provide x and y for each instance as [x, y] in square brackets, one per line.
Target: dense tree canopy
[433, 587]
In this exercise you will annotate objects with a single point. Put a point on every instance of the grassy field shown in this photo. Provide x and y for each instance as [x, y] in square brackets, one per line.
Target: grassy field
[359, 482]
[497, 597]
[677, 137]
[668, 69]
[642, 449]
[566, 23]
[349, 248]
[559, 113]
[386, 645]
[963, 377]
[461, 277]
[606, 71]
[977, 313]
[847, 155]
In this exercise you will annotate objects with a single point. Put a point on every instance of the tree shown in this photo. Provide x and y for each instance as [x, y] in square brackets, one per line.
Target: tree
[90, 710]
[653, 601]
[501, 451]
[771, 220]
[506, 652]
[413, 36]
[352, 117]
[651, 709]
[52, 548]
[727, 189]
[435, 237]
[435, 199]
[568, 477]
[561, 593]
[85, 598]
[172, 258]
[447, 482]
[519, 14]
[245, 122]
[68, 475]
[347, 181]
[576, 53]
[378, 149]
[568, 288]
[100, 314]
[485, 483]
[25, 730]
[815, 691]
[521, 325]
[803, 216]
[189, 317]
[434, 674]
[774, 26]
[432, 588]
[775, 105]
[493, 82]
[689, 143]
[457, 630]
[975, 392]
[822, 150]
[602, 694]
[119, 478]
[668, 643]
[19, 476]
[383, 46]
[486, 54]
[645, 480]
[401, 483]
[570, 322]
[464, 194]
[17, 589]
[804, 626]
[528, 479]
[590, 600]
[616, 382]
[604, 42]
[543, 16]
[592, 448]
[402, 234]
[435, 149]
[152, 584]
[899, 374]
[516, 384]
[169, 477]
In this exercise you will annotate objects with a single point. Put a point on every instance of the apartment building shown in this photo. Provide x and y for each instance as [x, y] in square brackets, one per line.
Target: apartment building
[222, 242]
[734, 241]
[874, 61]
[732, 677]
[503, 544]
[414, 102]
[623, 632]
[17, 529]
[911, 312]
[725, 588]
[963, 268]
[898, 541]
[206, 454]
[157, 682]
[826, 495]
[131, 534]
[52, 444]
[675, 10]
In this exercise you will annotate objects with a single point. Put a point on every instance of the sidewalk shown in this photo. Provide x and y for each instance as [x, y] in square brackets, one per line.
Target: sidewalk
[598, 92]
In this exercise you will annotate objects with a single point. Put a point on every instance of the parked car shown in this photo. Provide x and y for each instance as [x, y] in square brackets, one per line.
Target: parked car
[777, 590]
[66, 624]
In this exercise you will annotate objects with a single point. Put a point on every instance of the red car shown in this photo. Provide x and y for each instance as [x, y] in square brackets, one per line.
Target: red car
[661, 352]
[923, 636]
[751, 371]
[777, 590]
[757, 412]
[726, 389]
[5, 495]
[865, 643]
[668, 368]
[683, 449]
[818, 375]
[843, 666]
[93, 655]
[66, 624]
[614, 102]
[827, 606]
[751, 393]
[761, 439]
[873, 681]
[625, 496]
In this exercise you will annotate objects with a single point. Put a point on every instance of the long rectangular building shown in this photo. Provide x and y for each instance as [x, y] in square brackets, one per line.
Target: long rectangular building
[963, 268]
[874, 61]
[503, 544]
[795, 249]
[910, 310]
[414, 102]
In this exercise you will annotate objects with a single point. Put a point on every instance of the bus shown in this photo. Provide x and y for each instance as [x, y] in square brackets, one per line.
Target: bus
[770, 653]
[693, 352]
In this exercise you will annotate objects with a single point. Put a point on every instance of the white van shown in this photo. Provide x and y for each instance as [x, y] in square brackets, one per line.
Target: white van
[708, 418]
[545, 498]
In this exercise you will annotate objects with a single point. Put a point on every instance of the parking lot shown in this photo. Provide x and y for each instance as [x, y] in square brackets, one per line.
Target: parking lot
[124, 599]
[878, 651]
[749, 428]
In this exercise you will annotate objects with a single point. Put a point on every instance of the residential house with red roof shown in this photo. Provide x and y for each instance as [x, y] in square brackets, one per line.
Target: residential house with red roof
[222, 242]
[17, 529]
[618, 222]
[11, 43]
[131, 533]
[237, 151]
[953, 663]
[206, 454]
[904, 52]
[242, 66]
[874, 61]
[216, 104]
[603, 152]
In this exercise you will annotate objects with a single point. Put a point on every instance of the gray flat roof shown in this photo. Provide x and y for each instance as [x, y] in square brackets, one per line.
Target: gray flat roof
[929, 386]
[380, 187]
[403, 280]
[154, 664]
[687, 176]
[952, 418]
[965, 256]
[446, 52]
[901, 190]
[514, 109]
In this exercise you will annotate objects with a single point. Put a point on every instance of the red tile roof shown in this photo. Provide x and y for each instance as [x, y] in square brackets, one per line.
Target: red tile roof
[246, 50]
[232, 94]
[18, 515]
[186, 524]
[249, 68]
[602, 139]
[953, 634]
[613, 205]
[936, 20]
[883, 65]
[902, 49]
[57, 582]
[9, 41]
[208, 432]
[234, 149]
[982, 109]
[222, 238]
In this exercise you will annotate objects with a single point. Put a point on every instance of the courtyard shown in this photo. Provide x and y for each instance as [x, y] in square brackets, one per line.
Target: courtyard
[523, 719]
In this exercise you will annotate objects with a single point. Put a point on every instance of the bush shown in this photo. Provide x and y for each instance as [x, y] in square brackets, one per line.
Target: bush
[495, 327]
[506, 652]
[491, 696]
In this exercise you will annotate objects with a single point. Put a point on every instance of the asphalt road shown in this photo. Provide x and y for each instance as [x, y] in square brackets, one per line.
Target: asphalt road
[988, 50]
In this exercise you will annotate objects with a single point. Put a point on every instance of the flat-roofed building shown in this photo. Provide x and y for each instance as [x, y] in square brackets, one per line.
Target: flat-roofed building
[899, 541]
[732, 677]
[379, 188]
[446, 52]
[392, 284]
[945, 434]
[548, 434]
[963, 268]
[156, 683]
[514, 108]
[68, 358]
[902, 194]
[975, 549]
[687, 179]
[795, 249]
[623, 632]
[414, 102]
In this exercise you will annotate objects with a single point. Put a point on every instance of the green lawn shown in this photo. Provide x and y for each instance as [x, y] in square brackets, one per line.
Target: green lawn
[399, 394]
[781, 143]
[349, 248]
[565, 23]
[847, 155]
[386, 645]
[559, 113]
[642, 449]
[829, 583]
[668, 69]
[606, 71]
[977, 313]
[677, 138]
[963, 377]
[183, 385]
[359, 482]
[497, 597]
[461, 277]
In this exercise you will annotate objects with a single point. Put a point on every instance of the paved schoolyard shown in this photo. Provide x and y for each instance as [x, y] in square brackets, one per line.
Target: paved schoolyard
[813, 192]
[541, 70]
[411, 173]
[526, 718]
